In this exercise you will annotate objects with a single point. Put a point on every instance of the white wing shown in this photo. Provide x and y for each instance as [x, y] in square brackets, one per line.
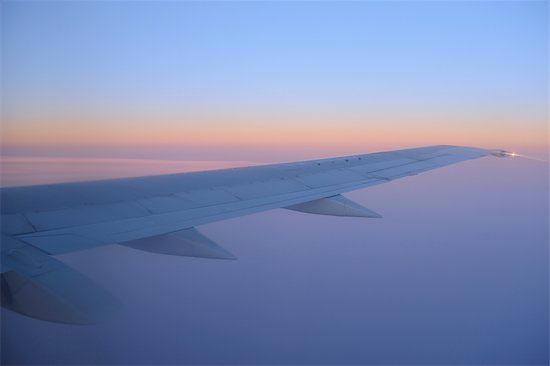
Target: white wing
[159, 213]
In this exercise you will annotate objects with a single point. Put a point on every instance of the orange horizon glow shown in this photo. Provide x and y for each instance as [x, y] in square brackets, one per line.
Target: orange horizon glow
[516, 132]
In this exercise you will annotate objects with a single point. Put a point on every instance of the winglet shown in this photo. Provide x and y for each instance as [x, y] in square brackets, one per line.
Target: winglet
[188, 242]
[335, 206]
[501, 153]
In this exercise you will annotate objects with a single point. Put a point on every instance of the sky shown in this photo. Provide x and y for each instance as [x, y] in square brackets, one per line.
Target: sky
[199, 80]
[456, 271]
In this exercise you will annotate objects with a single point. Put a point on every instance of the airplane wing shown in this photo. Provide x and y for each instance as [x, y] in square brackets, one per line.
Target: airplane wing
[159, 214]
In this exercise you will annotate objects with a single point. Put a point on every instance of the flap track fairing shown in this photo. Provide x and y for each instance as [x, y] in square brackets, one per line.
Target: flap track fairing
[334, 206]
[188, 242]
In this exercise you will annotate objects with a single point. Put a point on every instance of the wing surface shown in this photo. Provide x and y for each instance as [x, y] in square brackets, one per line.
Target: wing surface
[61, 218]
[158, 214]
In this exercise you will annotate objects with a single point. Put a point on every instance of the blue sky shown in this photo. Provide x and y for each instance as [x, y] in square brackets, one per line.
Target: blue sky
[72, 66]
[256, 52]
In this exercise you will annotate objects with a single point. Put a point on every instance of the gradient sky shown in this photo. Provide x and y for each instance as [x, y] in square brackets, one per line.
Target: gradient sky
[200, 80]
[456, 271]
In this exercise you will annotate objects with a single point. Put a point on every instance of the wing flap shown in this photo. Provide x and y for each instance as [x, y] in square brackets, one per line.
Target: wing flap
[260, 189]
[163, 204]
[330, 178]
[85, 215]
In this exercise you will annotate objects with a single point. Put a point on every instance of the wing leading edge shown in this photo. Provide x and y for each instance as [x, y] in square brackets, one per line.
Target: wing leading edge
[158, 214]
